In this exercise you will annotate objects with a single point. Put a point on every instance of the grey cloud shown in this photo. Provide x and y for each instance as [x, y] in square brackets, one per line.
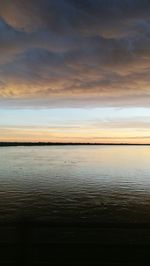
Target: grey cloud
[67, 15]
[75, 51]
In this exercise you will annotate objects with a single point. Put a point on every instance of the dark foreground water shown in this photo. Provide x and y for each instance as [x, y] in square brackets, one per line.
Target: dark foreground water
[102, 184]
[75, 205]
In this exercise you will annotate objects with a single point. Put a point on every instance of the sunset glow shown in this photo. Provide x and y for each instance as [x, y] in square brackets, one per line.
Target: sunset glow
[75, 71]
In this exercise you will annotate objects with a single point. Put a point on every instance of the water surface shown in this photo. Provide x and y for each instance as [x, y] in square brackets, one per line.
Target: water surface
[75, 183]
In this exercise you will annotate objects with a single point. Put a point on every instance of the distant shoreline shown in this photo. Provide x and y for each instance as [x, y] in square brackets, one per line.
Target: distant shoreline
[12, 144]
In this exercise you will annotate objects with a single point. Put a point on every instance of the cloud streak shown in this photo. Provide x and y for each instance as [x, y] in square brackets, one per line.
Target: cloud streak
[74, 53]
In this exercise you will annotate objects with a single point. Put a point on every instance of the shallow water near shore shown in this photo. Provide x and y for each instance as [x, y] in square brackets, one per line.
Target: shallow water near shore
[98, 184]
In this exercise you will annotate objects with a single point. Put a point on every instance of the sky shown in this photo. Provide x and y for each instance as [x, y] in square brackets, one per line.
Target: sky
[75, 71]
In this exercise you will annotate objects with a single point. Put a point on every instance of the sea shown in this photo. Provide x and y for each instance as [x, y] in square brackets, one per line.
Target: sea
[75, 184]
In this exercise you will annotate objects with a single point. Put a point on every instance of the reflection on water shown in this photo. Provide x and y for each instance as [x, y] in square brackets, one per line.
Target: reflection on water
[75, 183]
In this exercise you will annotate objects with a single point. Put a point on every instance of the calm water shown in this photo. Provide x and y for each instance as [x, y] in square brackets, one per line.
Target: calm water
[75, 183]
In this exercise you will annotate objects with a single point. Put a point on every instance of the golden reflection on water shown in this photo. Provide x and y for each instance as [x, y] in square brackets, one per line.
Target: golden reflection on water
[94, 183]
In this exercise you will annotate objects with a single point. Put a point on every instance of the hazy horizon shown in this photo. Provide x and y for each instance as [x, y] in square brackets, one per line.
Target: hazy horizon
[34, 143]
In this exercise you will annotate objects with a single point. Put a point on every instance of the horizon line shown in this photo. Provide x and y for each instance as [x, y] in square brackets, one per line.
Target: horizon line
[44, 143]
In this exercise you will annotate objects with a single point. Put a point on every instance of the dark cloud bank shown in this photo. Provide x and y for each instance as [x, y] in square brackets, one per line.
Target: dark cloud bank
[74, 53]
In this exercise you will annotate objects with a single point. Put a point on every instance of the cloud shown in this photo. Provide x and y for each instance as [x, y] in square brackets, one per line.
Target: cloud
[74, 53]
